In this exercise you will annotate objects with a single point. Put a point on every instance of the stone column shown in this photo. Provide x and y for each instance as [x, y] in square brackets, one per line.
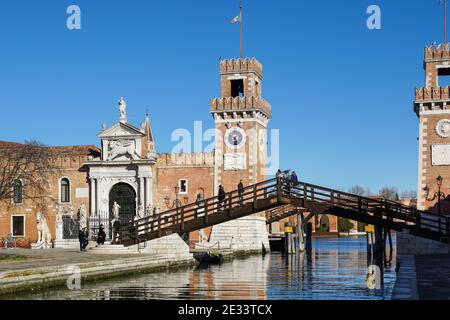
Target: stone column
[93, 195]
[59, 228]
[141, 191]
[148, 192]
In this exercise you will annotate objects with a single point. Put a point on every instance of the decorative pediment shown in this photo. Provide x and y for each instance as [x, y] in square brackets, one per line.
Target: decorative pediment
[122, 130]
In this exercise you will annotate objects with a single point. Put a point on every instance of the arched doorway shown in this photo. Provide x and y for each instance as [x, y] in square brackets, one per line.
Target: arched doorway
[125, 196]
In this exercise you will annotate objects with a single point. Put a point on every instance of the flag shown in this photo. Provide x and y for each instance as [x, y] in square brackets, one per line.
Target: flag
[236, 19]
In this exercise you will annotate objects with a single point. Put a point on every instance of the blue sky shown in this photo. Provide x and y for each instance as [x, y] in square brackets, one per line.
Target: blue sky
[341, 94]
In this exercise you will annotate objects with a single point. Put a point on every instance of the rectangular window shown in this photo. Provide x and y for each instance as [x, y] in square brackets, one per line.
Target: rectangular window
[18, 192]
[237, 88]
[183, 184]
[18, 226]
[444, 77]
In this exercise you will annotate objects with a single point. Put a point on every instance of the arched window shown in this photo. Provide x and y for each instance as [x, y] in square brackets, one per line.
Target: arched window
[65, 190]
[18, 191]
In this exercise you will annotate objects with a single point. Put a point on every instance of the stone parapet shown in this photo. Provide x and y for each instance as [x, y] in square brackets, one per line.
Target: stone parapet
[244, 234]
[185, 159]
[241, 65]
[240, 104]
[437, 52]
[411, 245]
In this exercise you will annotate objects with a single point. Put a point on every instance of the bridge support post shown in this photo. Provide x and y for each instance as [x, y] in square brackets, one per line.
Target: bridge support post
[289, 243]
[300, 232]
[309, 237]
[375, 258]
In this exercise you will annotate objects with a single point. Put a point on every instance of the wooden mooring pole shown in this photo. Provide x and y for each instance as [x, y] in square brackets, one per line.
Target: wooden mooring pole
[300, 232]
[375, 257]
[288, 238]
[308, 237]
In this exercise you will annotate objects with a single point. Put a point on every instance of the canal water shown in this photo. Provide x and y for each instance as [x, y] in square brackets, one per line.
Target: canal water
[336, 269]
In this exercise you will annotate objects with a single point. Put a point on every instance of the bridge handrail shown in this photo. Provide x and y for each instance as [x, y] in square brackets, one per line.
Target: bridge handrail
[285, 187]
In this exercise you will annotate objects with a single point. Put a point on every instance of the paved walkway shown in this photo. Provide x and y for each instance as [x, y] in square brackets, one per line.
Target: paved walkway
[433, 276]
[423, 277]
[54, 257]
[406, 283]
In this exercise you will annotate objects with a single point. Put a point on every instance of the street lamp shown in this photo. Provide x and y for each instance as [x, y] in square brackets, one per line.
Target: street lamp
[176, 203]
[437, 195]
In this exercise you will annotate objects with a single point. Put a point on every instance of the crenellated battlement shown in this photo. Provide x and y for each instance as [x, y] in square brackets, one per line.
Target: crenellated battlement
[433, 93]
[185, 159]
[240, 104]
[436, 52]
[241, 65]
[432, 98]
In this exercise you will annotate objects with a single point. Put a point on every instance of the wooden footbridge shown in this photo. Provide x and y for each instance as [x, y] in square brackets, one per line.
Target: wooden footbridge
[281, 198]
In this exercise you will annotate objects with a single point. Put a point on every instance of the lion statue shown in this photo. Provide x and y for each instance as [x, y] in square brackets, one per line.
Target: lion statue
[122, 148]
[44, 235]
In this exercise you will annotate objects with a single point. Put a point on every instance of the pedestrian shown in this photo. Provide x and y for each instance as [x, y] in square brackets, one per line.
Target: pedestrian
[200, 202]
[85, 238]
[294, 179]
[116, 231]
[221, 198]
[9, 243]
[81, 239]
[132, 230]
[279, 174]
[241, 190]
[101, 236]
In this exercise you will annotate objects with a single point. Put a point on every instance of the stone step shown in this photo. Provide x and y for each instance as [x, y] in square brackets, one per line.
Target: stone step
[111, 249]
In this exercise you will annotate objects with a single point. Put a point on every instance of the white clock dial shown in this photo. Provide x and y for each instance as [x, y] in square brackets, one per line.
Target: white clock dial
[235, 138]
[443, 128]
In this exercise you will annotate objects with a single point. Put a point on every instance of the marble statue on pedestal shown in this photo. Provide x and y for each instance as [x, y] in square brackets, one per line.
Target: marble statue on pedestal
[59, 223]
[141, 212]
[44, 235]
[82, 216]
[123, 110]
[115, 210]
[148, 211]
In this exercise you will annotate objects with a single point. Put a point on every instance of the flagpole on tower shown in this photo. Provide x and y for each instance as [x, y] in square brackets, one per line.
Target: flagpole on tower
[241, 31]
[445, 21]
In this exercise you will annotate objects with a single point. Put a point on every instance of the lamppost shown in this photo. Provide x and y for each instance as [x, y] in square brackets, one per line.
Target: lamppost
[437, 195]
[176, 203]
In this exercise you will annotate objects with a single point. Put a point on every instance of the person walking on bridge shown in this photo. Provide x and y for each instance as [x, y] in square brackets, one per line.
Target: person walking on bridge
[241, 191]
[221, 198]
[200, 202]
[294, 180]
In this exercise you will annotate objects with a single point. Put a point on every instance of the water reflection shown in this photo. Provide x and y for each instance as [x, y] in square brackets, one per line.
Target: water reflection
[336, 269]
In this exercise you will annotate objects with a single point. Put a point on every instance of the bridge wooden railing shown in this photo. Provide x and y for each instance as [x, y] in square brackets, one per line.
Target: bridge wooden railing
[210, 211]
[364, 206]
[274, 193]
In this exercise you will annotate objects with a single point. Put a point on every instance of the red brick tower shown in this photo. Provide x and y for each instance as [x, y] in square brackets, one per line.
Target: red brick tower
[432, 106]
[241, 116]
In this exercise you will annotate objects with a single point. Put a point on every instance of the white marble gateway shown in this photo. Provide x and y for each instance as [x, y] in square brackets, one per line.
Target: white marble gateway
[121, 162]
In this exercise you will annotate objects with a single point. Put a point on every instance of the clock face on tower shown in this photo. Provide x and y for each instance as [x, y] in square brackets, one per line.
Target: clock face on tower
[235, 138]
[443, 128]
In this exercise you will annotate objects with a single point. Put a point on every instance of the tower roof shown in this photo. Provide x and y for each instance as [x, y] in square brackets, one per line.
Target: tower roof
[148, 129]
